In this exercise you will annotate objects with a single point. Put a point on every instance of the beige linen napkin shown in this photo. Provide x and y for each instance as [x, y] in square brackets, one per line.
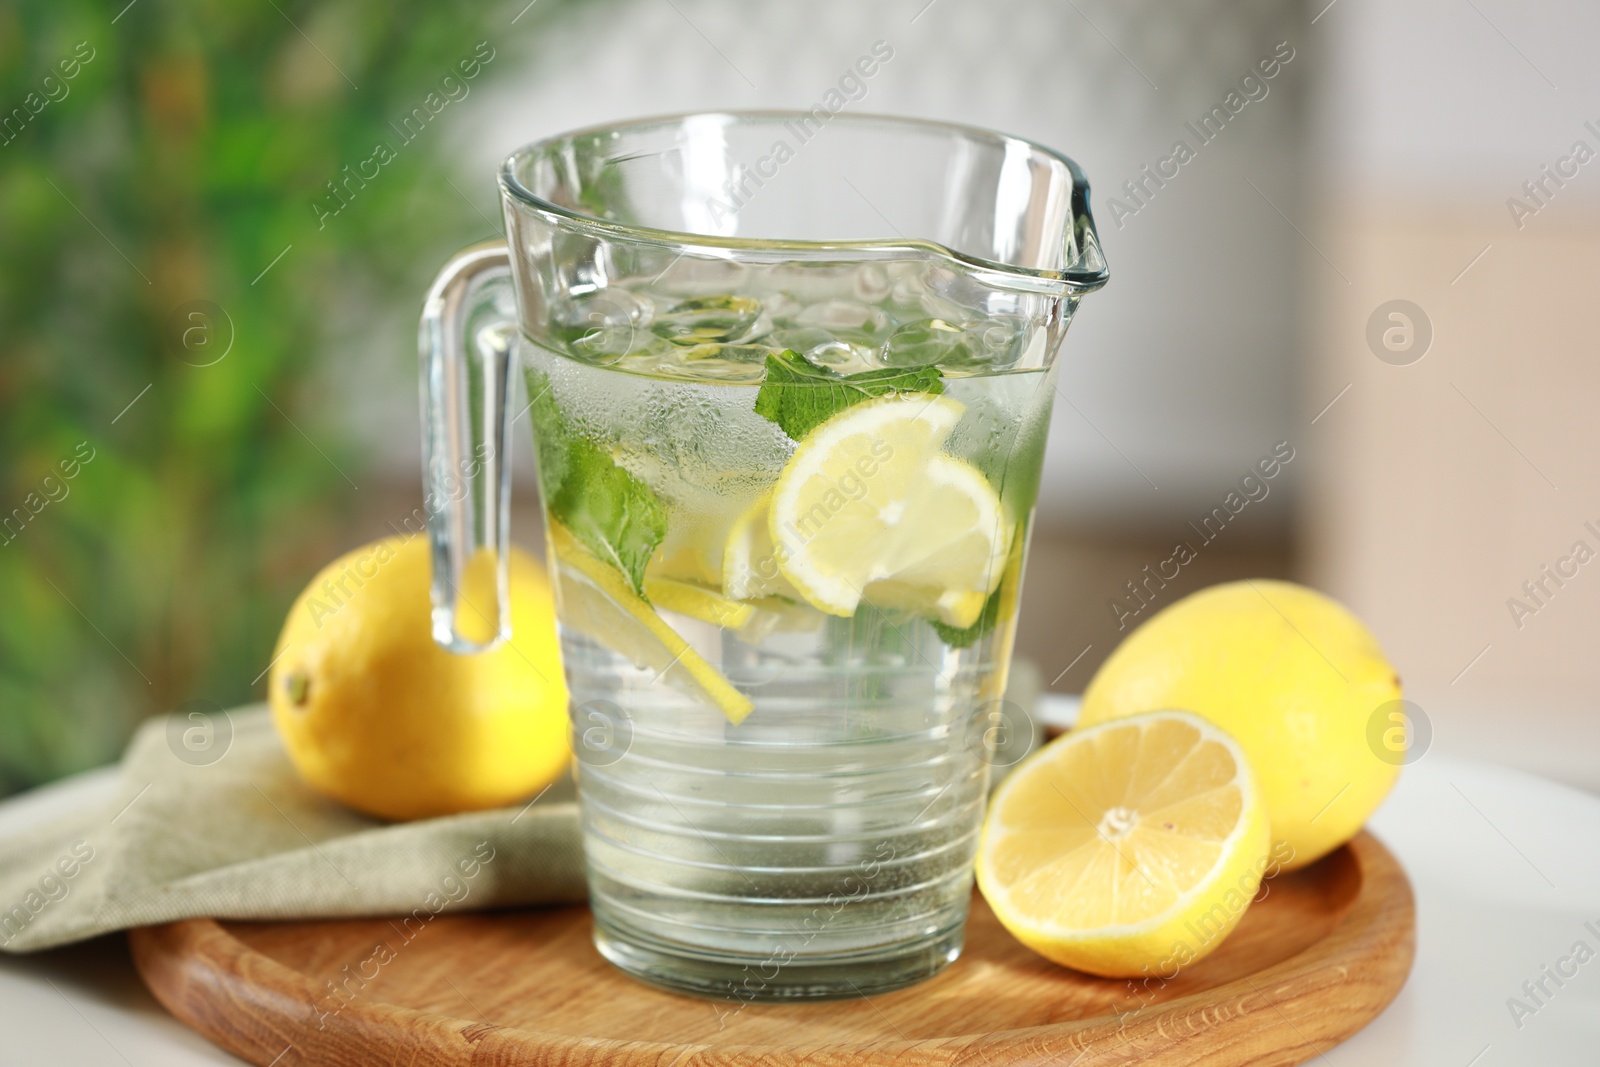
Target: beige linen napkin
[218, 824]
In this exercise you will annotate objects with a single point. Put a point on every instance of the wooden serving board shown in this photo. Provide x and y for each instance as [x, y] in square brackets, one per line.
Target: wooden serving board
[1310, 964]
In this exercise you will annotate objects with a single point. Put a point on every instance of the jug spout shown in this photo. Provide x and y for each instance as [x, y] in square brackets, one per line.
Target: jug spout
[1023, 212]
[1084, 266]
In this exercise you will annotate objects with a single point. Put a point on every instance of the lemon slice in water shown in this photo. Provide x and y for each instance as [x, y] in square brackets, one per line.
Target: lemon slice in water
[697, 602]
[749, 570]
[869, 508]
[595, 600]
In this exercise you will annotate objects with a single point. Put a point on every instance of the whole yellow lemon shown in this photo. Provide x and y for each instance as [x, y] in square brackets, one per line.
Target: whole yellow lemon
[377, 716]
[1292, 675]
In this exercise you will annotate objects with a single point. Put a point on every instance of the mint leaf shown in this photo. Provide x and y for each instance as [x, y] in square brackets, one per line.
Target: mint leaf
[965, 638]
[549, 432]
[610, 511]
[799, 397]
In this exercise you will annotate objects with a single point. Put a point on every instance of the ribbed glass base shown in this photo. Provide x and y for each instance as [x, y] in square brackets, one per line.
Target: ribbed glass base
[769, 977]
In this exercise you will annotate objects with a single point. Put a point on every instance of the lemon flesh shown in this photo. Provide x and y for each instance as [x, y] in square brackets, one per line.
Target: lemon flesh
[596, 601]
[749, 570]
[868, 508]
[1287, 671]
[1128, 848]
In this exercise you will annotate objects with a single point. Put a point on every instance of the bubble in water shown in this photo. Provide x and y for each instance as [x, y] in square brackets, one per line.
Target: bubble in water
[726, 353]
[730, 363]
[704, 362]
[603, 325]
[927, 341]
[822, 348]
[726, 318]
[999, 343]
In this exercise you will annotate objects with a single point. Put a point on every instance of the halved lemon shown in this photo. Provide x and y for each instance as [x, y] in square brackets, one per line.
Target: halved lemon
[594, 599]
[1129, 848]
[869, 508]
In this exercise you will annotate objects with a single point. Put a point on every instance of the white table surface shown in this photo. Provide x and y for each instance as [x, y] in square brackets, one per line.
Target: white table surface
[1506, 868]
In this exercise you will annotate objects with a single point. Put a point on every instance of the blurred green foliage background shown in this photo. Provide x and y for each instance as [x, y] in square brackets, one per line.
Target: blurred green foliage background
[151, 157]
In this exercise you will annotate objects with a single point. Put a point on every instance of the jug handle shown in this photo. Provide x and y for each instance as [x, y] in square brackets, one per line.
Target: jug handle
[467, 341]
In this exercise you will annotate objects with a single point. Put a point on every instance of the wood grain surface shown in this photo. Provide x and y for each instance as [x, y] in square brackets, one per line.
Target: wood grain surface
[1310, 964]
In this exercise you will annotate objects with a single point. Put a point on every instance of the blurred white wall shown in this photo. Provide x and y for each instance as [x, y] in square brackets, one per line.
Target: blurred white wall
[1441, 485]
[1457, 99]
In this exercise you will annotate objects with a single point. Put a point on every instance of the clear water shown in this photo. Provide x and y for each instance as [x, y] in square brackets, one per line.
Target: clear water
[824, 845]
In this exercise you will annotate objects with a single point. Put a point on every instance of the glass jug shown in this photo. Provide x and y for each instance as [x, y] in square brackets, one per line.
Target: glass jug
[789, 378]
